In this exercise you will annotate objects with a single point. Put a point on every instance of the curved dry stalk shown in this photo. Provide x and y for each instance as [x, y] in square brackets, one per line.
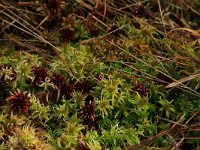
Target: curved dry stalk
[161, 15]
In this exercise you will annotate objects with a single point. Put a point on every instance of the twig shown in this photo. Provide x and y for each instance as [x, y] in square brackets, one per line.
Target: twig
[174, 122]
[159, 6]
[100, 37]
[174, 142]
[43, 21]
[82, 3]
[176, 83]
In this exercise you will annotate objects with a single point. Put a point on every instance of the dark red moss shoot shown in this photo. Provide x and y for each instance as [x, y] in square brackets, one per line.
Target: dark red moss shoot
[40, 74]
[83, 86]
[53, 6]
[99, 76]
[82, 145]
[140, 88]
[67, 34]
[58, 80]
[94, 32]
[67, 90]
[164, 78]
[139, 10]
[88, 113]
[18, 101]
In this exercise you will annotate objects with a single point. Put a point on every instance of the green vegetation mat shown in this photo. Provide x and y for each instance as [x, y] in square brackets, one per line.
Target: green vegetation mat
[99, 75]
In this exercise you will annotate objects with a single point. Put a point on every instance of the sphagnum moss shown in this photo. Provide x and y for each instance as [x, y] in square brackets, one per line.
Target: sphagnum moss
[100, 81]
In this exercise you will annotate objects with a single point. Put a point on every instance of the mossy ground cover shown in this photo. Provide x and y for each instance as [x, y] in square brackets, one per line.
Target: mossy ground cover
[92, 75]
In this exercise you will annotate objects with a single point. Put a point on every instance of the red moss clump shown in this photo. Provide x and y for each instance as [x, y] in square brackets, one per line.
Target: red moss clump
[18, 101]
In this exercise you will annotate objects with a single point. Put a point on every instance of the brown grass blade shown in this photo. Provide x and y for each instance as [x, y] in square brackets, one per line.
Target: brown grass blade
[176, 83]
[194, 33]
